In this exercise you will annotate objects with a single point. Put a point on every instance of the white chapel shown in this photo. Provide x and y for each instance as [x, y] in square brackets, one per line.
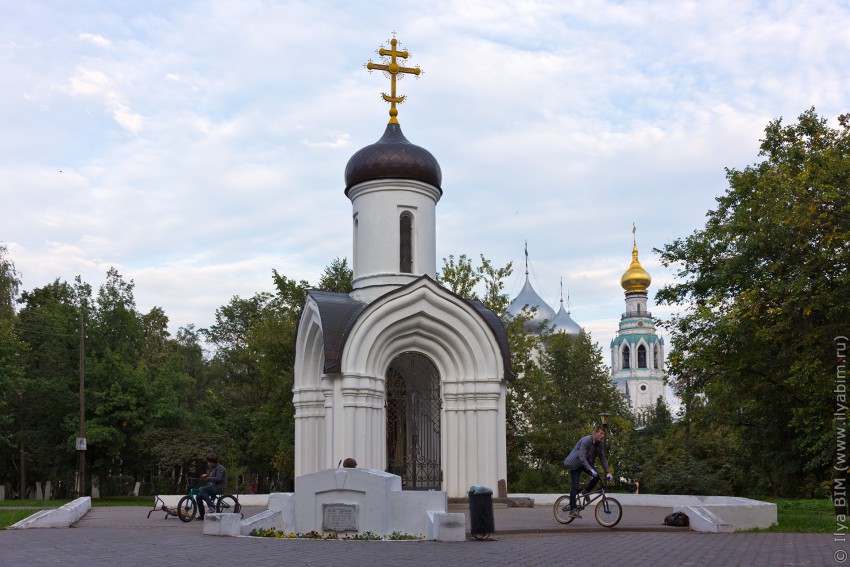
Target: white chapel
[400, 374]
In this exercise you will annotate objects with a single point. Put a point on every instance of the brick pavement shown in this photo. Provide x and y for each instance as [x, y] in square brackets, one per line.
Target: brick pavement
[123, 536]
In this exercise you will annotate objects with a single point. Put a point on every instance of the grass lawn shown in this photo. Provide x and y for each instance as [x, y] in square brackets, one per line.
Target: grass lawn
[9, 517]
[803, 515]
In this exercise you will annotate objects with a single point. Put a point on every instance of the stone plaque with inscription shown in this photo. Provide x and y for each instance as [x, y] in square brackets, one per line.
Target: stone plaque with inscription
[339, 517]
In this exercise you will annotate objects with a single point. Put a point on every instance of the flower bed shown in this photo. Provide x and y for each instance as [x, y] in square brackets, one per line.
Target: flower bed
[365, 536]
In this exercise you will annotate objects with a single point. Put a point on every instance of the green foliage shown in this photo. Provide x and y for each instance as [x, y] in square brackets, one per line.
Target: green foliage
[337, 277]
[765, 288]
[562, 400]
[9, 282]
[461, 278]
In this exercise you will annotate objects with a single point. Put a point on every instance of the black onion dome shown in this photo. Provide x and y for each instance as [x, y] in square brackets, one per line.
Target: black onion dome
[393, 157]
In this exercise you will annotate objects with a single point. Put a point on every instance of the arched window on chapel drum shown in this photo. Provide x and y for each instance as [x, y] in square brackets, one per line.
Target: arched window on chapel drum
[405, 226]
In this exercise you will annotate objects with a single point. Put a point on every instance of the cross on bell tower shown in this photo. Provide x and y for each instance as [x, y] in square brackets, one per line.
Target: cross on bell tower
[393, 70]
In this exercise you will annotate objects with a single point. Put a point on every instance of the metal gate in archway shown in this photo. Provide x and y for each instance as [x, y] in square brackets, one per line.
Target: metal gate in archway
[413, 421]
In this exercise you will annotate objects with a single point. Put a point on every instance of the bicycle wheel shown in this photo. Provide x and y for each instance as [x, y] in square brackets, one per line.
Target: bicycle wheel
[608, 512]
[228, 504]
[186, 509]
[560, 508]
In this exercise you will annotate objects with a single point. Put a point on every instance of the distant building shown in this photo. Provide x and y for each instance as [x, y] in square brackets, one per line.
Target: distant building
[560, 322]
[637, 352]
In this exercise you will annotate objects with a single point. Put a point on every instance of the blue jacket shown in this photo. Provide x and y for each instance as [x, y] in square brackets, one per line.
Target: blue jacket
[584, 454]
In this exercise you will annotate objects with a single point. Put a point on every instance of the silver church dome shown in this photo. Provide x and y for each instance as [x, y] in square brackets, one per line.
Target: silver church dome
[527, 296]
[563, 323]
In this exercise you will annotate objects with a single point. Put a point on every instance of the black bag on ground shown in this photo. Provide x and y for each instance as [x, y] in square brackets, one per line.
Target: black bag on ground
[677, 519]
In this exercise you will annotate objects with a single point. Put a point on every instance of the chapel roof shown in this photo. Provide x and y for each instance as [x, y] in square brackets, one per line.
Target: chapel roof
[339, 312]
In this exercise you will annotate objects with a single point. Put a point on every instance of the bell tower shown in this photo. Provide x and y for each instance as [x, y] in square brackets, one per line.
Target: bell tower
[637, 352]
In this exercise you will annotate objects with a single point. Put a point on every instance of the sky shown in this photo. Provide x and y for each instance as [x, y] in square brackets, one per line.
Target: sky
[197, 146]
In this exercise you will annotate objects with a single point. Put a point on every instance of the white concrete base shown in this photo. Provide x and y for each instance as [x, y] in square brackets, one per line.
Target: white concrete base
[268, 520]
[63, 517]
[739, 513]
[382, 507]
[446, 526]
[250, 500]
[701, 519]
[222, 524]
[284, 503]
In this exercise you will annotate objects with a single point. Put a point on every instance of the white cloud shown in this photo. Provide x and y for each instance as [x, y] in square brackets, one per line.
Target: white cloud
[200, 146]
[95, 39]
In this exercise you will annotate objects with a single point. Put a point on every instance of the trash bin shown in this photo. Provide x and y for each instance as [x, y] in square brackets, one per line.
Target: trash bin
[481, 512]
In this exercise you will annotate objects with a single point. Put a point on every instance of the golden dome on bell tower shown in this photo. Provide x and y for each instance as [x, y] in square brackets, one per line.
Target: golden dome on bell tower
[635, 279]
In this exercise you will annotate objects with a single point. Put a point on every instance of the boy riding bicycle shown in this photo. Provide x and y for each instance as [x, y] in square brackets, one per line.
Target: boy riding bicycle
[216, 479]
[581, 459]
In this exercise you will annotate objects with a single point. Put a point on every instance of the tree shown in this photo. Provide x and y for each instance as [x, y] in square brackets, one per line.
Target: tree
[9, 282]
[764, 289]
[565, 396]
[462, 279]
[12, 351]
[45, 406]
[336, 277]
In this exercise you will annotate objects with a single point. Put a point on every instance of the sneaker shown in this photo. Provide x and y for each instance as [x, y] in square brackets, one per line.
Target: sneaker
[574, 513]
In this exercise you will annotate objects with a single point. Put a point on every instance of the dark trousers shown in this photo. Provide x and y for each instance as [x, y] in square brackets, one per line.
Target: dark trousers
[205, 494]
[575, 480]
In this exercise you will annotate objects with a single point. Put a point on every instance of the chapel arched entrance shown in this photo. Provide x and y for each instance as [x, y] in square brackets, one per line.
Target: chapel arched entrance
[413, 421]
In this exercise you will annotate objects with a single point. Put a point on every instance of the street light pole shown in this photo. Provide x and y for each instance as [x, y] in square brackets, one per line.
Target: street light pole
[80, 484]
[603, 419]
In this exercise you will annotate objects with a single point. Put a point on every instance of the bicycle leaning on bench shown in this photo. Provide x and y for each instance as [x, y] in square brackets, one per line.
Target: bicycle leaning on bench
[608, 511]
[223, 503]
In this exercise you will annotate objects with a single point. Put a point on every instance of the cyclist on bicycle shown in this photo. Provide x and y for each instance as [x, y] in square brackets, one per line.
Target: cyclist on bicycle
[581, 459]
[216, 478]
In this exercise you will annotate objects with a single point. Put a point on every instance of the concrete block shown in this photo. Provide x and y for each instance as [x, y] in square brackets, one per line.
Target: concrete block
[222, 524]
[704, 520]
[284, 502]
[407, 509]
[63, 517]
[267, 520]
[446, 526]
[746, 514]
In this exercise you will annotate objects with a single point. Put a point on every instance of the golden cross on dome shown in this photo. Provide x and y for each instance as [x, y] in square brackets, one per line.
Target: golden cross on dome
[391, 68]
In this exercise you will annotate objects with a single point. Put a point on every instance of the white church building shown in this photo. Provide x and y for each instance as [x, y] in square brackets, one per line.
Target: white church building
[400, 374]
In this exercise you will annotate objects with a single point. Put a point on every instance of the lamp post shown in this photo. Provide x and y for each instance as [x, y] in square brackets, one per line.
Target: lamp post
[603, 419]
